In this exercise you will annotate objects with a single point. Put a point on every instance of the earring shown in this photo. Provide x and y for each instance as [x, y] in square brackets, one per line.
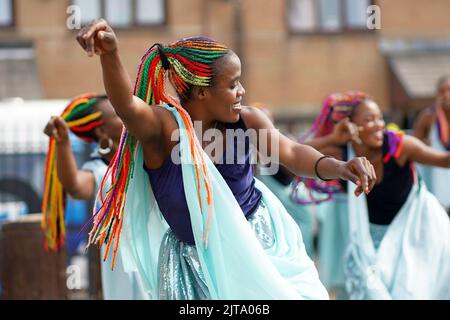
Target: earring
[107, 150]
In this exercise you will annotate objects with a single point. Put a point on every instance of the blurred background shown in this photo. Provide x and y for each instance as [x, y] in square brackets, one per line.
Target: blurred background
[293, 52]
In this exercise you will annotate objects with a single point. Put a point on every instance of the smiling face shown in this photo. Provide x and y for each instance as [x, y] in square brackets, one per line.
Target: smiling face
[223, 98]
[368, 117]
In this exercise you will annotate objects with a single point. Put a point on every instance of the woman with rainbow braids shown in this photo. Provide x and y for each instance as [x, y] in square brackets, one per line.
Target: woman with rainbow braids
[433, 128]
[191, 228]
[398, 236]
[91, 118]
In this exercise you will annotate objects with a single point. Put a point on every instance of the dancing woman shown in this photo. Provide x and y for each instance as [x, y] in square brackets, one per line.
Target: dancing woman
[433, 128]
[195, 229]
[398, 235]
[91, 118]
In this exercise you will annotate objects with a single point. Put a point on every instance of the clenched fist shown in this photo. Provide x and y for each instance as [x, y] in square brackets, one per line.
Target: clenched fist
[97, 38]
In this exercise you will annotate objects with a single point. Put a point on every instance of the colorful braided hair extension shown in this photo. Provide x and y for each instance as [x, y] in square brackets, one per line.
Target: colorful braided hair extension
[188, 62]
[81, 118]
[336, 107]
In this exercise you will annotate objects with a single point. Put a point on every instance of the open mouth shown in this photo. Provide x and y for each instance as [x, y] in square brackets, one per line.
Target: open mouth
[378, 134]
[237, 106]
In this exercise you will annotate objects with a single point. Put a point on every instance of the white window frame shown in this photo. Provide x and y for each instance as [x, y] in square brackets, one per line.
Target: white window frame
[345, 26]
[13, 18]
[133, 20]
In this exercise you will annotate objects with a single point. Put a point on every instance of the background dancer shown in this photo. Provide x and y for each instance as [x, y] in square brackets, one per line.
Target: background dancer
[432, 127]
[91, 118]
[384, 230]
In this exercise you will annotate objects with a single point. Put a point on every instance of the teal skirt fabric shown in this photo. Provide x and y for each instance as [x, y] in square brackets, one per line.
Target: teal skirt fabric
[302, 214]
[181, 276]
[116, 284]
[409, 259]
[333, 241]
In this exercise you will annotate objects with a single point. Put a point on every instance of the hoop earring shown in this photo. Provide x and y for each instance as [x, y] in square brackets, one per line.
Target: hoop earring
[107, 150]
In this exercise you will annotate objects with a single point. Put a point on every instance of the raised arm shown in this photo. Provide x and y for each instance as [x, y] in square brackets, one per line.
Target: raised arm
[344, 131]
[77, 183]
[416, 150]
[302, 160]
[141, 120]
[423, 124]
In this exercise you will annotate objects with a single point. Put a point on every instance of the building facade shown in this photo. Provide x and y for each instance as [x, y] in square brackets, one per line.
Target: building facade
[294, 52]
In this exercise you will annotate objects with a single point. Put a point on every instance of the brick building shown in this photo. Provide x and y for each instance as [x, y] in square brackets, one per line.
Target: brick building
[294, 52]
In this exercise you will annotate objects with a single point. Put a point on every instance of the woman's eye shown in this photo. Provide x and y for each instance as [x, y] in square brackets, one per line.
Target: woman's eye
[234, 85]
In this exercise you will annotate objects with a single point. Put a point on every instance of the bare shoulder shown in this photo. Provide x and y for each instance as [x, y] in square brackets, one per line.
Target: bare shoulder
[249, 112]
[255, 118]
[411, 142]
[162, 111]
[411, 146]
[408, 140]
[167, 118]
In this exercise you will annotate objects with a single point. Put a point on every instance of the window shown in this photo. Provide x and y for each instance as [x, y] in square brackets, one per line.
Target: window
[89, 10]
[356, 13]
[328, 16]
[123, 13]
[118, 12]
[18, 71]
[6, 13]
[302, 15]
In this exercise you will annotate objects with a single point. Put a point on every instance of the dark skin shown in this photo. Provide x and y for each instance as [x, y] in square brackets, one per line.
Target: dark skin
[80, 184]
[213, 106]
[427, 118]
[271, 117]
[368, 119]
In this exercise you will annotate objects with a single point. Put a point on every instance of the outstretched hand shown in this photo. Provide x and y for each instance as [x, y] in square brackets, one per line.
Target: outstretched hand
[97, 38]
[361, 172]
[57, 128]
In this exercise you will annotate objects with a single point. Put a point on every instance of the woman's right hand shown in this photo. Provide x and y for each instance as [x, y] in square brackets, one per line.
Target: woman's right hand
[97, 38]
[359, 171]
[57, 128]
[345, 131]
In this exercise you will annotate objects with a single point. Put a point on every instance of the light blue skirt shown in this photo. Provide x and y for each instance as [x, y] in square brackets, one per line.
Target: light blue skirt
[180, 273]
[302, 214]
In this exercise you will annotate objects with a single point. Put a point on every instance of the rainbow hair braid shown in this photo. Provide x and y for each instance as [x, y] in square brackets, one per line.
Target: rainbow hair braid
[188, 62]
[82, 119]
[335, 108]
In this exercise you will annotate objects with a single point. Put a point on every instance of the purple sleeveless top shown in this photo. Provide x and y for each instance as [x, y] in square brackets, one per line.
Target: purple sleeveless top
[167, 185]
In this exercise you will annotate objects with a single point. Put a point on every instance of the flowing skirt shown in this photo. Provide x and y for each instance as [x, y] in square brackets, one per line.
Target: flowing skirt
[181, 276]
